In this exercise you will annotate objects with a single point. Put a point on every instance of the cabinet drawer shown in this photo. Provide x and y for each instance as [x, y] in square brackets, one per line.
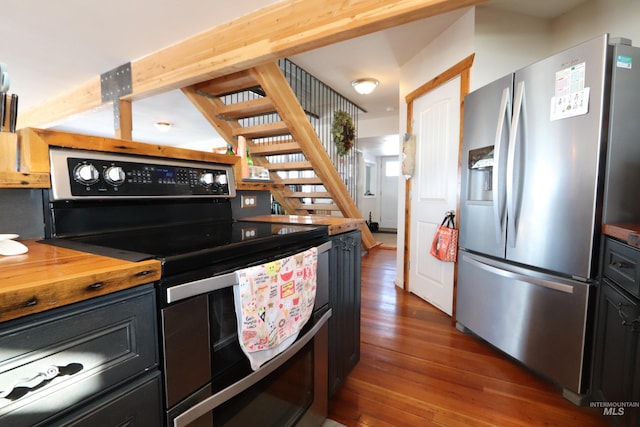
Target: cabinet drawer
[137, 405]
[94, 345]
[621, 265]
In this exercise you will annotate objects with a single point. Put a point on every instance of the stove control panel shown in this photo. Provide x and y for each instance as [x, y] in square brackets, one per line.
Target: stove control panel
[78, 174]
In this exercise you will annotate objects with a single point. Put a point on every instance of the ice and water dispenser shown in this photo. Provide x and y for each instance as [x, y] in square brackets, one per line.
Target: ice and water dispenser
[480, 176]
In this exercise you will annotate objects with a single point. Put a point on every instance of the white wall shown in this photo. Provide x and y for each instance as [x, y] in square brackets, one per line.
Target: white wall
[376, 127]
[452, 46]
[619, 18]
[505, 42]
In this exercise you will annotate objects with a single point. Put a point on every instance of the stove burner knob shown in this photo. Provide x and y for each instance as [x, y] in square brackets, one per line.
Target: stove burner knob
[207, 179]
[86, 174]
[221, 179]
[114, 175]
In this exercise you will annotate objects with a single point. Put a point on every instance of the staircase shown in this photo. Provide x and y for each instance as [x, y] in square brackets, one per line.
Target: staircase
[280, 137]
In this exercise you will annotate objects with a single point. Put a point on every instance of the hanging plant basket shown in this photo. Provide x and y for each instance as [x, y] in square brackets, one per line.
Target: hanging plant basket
[343, 131]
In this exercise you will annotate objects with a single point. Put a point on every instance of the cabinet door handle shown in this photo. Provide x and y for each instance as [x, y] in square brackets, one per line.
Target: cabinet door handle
[621, 264]
[31, 382]
[23, 386]
[635, 324]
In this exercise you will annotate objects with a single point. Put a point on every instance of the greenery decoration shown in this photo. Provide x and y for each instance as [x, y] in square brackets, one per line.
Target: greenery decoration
[343, 131]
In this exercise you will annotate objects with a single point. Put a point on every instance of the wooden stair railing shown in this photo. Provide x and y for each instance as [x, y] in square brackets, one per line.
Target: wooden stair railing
[307, 185]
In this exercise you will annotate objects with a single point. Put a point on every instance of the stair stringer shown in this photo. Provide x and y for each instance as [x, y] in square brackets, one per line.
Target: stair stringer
[277, 88]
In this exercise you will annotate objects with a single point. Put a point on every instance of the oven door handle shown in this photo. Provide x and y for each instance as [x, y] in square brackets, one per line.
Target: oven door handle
[212, 402]
[210, 284]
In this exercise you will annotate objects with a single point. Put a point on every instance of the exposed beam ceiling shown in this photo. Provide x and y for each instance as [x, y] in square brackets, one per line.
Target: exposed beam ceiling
[52, 47]
[281, 29]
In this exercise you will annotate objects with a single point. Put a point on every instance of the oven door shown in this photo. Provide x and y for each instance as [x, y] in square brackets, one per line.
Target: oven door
[291, 389]
[208, 379]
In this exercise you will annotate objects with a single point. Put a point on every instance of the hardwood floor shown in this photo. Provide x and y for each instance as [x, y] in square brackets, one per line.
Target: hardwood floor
[417, 369]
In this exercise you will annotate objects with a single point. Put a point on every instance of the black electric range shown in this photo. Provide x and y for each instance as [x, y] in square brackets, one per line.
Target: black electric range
[179, 212]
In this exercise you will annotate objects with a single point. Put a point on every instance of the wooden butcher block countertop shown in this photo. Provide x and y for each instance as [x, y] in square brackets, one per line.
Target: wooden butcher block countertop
[49, 276]
[628, 233]
[336, 225]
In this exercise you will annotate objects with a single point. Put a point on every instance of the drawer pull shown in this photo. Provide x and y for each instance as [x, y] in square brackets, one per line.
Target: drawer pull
[50, 373]
[31, 302]
[621, 264]
[23, 386]
[635, 324]
[95, 286]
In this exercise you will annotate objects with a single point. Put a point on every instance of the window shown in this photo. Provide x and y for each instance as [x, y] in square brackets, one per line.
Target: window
[392, 168]
[369, 179]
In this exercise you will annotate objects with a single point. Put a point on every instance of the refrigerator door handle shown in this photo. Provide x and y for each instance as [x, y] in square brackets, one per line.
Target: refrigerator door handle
[567, 289]
[511, 160]
[499, 199]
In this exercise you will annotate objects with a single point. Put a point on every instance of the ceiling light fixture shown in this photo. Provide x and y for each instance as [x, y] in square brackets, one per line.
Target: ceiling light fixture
[163, 126]
[364, 86]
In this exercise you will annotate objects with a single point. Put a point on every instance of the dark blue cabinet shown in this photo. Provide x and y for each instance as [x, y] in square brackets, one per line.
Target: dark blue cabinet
[68, 365]
[616, 367]
[344, 298]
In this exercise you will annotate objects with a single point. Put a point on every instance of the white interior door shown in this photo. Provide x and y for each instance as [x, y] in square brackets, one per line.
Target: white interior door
[389, 175]
[436, 124]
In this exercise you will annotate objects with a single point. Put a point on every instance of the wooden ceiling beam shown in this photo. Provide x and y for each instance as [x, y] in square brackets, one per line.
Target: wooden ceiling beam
[282, 29]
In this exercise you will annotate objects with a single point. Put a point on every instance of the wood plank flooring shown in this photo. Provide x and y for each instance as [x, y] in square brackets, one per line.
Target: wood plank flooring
[417, 369]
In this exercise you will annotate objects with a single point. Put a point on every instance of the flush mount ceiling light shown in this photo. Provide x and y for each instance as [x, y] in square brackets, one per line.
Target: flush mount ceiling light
[364, 86]
[163, 126]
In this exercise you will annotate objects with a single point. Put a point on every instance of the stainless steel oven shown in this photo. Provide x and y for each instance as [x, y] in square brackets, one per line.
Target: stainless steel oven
[201, 342]
[179, 212]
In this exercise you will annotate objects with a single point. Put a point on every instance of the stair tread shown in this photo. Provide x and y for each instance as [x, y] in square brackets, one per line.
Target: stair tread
[276, 148]
[307, 181]
[290, 166]
[232, 83]
[311, 194]
[319, 206]
[262, 131]
[251, 108]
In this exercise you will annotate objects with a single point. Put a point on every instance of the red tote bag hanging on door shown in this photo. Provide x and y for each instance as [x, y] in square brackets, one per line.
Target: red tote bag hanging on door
[445, 242]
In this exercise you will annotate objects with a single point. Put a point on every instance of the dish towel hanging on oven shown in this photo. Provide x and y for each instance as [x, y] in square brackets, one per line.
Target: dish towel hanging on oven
[273, 302]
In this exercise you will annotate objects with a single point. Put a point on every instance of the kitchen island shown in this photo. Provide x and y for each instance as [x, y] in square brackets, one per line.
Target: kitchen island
[88, 316]
[48, 276]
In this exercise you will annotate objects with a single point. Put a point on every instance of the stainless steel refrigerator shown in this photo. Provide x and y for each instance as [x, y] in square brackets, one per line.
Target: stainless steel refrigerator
[541, 166]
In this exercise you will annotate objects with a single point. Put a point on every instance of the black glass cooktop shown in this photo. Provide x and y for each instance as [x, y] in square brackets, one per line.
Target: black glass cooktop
[193, 245]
